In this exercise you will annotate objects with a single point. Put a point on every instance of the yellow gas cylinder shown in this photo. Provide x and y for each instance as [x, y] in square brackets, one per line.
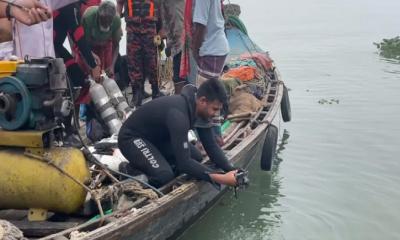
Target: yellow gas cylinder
[27, 182]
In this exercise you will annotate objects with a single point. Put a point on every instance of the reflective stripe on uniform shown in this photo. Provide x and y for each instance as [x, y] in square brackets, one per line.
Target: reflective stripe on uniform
[130, 8]
[151, 13]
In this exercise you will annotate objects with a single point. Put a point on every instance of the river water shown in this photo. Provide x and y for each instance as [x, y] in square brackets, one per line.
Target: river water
[337, 175]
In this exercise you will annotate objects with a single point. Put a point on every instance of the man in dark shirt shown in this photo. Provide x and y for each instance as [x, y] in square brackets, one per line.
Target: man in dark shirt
[155, 136]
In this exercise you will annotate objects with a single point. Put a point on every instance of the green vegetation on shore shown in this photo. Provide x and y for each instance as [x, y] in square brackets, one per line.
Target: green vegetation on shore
[389, 48]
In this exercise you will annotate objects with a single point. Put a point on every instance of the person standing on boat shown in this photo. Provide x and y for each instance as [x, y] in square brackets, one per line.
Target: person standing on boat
[143, 21]
[155, 137]
[210, 46]
[102, 27]
[37, 41]
[28, 12]
[172, 18]
[67, 23]
[6, 39]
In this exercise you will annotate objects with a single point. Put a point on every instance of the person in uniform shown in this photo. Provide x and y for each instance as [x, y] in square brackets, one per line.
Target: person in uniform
[143, 22]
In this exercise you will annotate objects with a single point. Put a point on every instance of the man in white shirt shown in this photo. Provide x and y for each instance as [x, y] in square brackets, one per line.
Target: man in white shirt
[210, 45]
[29, 12]
[37, 41]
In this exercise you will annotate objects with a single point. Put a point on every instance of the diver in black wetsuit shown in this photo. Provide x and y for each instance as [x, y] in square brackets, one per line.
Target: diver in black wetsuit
[155, 136]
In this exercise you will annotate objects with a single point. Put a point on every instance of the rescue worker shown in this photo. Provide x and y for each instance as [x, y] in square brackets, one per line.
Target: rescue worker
[155, 137]
[143, 21]
[102, 27]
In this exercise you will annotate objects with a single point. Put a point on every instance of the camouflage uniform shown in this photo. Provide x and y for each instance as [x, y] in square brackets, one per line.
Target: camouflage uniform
[142, 21]
[142, 55]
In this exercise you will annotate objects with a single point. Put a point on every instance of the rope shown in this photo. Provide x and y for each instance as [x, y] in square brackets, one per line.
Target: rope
[157, 42]
[136, 188]
[51, 163]
[167, 72]
[10, 232]
[76, 235]
[158, 67]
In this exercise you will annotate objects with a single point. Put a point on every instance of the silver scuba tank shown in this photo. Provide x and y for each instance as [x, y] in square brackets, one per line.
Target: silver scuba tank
[116, 97]
[104, 107]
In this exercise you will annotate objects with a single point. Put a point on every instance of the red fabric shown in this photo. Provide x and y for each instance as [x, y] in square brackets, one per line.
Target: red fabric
[56, 13]
[79, 33]
[185, 60]
[69, 62]
[260, 58]
[104, 52]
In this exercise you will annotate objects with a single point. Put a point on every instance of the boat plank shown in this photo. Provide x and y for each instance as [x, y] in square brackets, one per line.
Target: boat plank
[43, 228]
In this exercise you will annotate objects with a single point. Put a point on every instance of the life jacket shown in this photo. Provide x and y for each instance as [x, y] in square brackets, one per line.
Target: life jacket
[140, 10]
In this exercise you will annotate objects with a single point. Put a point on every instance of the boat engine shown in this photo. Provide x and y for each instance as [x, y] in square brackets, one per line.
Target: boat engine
[35, 96]
[35, 172]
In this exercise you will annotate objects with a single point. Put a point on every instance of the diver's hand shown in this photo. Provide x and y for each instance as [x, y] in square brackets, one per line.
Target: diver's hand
[228, 178]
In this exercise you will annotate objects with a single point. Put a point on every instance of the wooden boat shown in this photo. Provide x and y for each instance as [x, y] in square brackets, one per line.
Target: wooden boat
[250, 139]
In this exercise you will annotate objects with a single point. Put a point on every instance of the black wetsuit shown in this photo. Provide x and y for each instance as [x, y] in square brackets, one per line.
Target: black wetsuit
[155, 137]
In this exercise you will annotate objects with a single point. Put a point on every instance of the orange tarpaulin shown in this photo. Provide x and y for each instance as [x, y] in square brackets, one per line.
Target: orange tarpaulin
[244, 73]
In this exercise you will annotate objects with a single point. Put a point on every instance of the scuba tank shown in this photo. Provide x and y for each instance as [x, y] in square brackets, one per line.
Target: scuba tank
[104, 107]
[116, 97]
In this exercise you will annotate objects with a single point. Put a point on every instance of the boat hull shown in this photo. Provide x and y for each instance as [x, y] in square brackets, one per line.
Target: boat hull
[180, 208]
